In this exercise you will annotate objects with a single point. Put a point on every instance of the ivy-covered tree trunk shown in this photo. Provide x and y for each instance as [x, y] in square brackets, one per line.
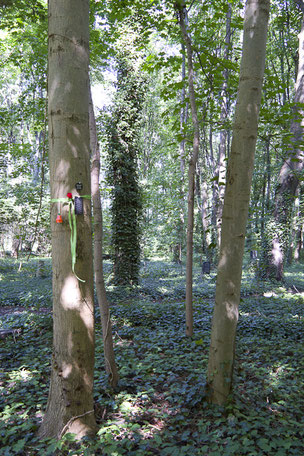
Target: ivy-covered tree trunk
[122, 133]
[70, 403]
[236, 201]
[289, 176]
[265, 209]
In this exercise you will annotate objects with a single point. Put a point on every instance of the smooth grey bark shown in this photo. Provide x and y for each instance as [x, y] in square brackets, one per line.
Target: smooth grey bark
[108, 349]
[70, 403]
[236, 201]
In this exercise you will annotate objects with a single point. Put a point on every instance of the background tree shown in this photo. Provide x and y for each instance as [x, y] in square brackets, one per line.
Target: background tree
[22, 126]
[106, 324]
[122, 146]
[290, 174]
[181, 10]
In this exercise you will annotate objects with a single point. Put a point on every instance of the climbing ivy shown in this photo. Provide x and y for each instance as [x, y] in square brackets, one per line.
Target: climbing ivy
[122, 128]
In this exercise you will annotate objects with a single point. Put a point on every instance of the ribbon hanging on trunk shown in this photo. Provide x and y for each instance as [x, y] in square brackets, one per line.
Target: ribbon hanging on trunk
[73, 227]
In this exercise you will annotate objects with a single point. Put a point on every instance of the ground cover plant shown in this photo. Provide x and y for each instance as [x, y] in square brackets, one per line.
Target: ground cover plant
[160, 406]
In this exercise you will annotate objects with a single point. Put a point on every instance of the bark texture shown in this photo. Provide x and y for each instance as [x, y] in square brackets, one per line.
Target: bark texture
[70, 402]
[103, 303]
[236, 201]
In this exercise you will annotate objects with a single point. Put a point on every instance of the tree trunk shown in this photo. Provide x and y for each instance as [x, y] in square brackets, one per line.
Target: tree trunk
[123, 147]
[299, 229]
[70, 402]
[178, 248]
[289, 174]
[236, 201]
[108, 349]
[221, 167]
[181, 9]
[16, 246]
[203, 202]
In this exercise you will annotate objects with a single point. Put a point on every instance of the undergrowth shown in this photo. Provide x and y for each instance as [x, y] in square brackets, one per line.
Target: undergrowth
[160, 406]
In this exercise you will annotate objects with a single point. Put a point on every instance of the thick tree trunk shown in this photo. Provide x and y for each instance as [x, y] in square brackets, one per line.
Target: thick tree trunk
[236, 201]
[191, 170]
[108, 349]
[70, 402]
[123, 147]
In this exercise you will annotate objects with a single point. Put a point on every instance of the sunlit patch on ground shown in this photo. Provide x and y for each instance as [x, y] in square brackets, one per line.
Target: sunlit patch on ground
[160, 407]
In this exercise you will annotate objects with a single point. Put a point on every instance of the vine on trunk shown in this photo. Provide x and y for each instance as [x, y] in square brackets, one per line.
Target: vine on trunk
[122, 148]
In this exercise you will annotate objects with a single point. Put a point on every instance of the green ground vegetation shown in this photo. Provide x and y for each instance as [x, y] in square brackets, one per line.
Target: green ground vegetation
[160, 406]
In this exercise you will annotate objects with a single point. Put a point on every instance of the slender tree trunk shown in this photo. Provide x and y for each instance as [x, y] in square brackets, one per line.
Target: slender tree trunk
[268, 171]
[221, 168]
[108, 349]
[236, 201]
[183, 116]
[292, 244]
[70, 403]
[289, 173]
[264, 210]
[299, 229]
[180, 7]
[203, 203]
[205, 221]
[182, 154]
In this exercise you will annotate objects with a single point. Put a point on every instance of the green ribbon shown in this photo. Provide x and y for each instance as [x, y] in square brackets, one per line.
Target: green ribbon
[73, 228]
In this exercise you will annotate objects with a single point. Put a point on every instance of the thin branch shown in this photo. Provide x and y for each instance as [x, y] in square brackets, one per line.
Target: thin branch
[202, 68]
[190, 6]
[71, 421]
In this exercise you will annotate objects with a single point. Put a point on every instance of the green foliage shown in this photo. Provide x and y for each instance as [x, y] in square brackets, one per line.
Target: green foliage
[23, 54]
[12, 291]
[122, 147]
[160, 406]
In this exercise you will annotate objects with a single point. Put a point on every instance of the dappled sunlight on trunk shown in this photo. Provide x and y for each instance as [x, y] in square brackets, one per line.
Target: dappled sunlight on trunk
[70, 294]
[236, 201]
[70, 403]
[277, 253]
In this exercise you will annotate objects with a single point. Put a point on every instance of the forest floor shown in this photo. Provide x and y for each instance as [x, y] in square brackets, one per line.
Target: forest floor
[160, 406]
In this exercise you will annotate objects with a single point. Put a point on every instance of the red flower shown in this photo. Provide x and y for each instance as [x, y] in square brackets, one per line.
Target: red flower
[69, 195]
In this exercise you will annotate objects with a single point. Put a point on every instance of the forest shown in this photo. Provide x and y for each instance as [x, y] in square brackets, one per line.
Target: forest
[151, 227]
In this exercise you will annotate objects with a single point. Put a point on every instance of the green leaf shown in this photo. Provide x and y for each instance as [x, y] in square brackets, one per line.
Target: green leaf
[264, 445]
